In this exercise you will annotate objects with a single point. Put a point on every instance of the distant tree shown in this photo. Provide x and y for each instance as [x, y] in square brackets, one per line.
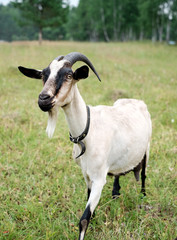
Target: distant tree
[7, 25]
[157, 19]
[173, 34]
[42, 13]
[10, 29]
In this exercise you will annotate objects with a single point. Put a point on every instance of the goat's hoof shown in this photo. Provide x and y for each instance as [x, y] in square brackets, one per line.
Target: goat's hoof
[143, 195]
[115, 196]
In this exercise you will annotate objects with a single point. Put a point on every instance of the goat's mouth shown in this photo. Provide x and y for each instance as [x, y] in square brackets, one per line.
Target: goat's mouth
[46, 104]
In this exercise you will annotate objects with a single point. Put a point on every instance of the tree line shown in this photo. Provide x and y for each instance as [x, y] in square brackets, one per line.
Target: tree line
[91, 20]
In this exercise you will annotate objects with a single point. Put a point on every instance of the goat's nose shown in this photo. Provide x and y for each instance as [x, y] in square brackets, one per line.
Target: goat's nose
[44, 96]
[45, 101]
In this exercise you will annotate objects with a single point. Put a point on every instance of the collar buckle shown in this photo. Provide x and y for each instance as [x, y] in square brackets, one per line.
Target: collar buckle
[78, 139]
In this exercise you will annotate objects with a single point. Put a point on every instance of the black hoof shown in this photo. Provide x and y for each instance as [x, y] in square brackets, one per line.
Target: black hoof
[115, 194]
[143, 195]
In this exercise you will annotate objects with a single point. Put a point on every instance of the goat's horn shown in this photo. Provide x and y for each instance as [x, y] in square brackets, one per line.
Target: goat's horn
[73, 57]
[59, 58]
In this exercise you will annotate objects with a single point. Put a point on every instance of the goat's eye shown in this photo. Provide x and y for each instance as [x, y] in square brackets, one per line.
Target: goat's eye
[69, 76]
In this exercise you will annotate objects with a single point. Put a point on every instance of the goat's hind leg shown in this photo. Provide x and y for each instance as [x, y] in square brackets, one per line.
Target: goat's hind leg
[143, 175]
[116, 188]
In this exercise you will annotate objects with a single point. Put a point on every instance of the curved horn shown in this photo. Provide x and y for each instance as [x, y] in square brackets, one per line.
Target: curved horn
[73, 57]
[59, 58]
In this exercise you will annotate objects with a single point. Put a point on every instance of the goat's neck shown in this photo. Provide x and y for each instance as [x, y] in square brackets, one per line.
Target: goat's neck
[76, 113]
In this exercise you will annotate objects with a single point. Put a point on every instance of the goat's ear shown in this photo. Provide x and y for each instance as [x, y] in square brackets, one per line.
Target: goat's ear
[81, 73]
[32, 73]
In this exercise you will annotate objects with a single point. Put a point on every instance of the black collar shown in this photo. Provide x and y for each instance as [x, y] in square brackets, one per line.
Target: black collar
[78, 139]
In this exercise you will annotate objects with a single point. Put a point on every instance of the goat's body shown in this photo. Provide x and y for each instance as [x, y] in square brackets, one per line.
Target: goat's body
[118, 141]
[123, 131]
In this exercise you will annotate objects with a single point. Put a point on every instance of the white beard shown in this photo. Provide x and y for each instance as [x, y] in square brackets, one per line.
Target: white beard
[52, 120]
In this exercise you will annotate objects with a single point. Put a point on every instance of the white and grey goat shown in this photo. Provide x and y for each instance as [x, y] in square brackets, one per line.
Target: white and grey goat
[109, 140]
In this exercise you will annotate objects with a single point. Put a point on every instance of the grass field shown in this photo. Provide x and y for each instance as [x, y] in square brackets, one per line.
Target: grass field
[42, 191]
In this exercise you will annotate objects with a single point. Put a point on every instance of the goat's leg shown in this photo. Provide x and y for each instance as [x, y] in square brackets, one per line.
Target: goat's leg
[143, 176]
[88, 193]
[116, 188]
[93, 200]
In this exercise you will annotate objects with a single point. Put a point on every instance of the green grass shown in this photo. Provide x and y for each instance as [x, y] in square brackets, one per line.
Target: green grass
[42, 191]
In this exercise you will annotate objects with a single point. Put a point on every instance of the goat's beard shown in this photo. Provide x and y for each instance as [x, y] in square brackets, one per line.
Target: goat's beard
[52, 120]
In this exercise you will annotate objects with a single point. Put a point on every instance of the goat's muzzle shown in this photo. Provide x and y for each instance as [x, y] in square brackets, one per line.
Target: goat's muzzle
[45, 102]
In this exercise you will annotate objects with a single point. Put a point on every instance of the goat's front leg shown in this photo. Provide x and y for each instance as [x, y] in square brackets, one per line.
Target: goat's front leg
[94, 197]
[88, 193]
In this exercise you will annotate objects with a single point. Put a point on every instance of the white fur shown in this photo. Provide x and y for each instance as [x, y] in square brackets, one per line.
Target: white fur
[54, 67]
[52, 120]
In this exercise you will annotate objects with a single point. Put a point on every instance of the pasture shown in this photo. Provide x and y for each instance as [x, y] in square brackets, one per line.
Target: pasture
[42, 190]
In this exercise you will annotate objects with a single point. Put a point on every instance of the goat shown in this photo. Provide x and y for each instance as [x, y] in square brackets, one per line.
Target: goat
[108, 140]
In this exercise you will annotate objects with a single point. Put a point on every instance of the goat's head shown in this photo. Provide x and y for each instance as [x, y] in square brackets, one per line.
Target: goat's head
[58, 79]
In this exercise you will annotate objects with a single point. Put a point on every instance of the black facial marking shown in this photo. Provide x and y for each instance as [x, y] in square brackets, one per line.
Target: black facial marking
[45, 74]
[61, 77]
